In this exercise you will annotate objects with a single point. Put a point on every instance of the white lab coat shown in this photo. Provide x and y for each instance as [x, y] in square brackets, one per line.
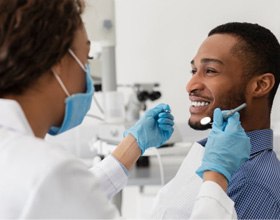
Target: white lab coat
[41, 180]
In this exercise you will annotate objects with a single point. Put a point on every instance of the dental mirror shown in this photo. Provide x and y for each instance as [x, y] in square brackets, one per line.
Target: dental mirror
[205, 121]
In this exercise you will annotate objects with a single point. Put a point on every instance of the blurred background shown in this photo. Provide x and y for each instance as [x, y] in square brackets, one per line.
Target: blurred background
[142, 51]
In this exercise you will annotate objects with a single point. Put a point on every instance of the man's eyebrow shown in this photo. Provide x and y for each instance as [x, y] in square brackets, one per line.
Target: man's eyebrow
[88, 42]
[209, 60]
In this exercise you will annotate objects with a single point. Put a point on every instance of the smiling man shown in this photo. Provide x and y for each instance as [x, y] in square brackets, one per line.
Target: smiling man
[237, 63]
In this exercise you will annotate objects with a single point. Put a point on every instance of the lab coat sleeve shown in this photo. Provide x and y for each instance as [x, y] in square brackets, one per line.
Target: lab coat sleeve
[213, 203]
[111, 175]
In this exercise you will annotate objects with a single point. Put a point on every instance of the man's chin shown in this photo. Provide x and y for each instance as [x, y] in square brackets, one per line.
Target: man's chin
[198, 126]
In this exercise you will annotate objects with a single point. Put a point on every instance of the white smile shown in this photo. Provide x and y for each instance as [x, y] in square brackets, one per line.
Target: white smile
[199, 104]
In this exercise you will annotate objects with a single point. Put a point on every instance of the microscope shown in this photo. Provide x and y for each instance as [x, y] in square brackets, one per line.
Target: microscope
[112, 131]
[143, 92]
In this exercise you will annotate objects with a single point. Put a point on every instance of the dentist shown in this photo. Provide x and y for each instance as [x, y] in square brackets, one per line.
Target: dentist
[46, 87]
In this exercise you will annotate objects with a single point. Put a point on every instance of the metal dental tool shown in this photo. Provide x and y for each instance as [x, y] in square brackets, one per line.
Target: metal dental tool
[207, 120]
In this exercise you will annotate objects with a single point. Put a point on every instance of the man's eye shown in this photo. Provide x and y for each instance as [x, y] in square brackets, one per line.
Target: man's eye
[208, 70]
[193, 71]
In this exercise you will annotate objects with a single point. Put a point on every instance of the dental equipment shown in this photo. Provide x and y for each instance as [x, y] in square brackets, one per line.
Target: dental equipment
[207, 120]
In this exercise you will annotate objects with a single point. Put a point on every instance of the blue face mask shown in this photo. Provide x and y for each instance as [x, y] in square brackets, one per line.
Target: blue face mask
[76, 105]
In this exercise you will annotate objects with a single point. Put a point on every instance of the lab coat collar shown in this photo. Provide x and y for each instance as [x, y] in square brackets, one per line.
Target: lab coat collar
[13, 118]
[260, 140]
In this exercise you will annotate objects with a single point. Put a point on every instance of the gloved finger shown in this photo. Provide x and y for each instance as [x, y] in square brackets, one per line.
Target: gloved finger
[166, 128]
[158, 109]
[218, 122]
[167, 108]
[234, 123]
[165, 121]
[166, 115]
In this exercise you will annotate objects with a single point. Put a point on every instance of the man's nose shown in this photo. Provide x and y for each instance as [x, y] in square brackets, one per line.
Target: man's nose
[195, 84]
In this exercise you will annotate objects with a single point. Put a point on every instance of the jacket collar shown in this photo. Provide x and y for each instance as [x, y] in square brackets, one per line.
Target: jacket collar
[13, 118]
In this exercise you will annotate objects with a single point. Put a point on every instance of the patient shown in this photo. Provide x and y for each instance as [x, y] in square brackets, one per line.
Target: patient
[237, 63]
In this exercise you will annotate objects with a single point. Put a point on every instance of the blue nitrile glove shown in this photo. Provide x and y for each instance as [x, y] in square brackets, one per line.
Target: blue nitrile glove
[154, 128]
[227, 147]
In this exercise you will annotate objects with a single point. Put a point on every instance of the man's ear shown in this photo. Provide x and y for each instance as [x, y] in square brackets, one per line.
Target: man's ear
[261, 85]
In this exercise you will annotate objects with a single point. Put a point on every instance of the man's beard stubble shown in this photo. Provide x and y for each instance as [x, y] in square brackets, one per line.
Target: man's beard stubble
[227, 103]
[199, 126]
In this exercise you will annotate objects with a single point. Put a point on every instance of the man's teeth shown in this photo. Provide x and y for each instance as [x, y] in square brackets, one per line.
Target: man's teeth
[197, 104]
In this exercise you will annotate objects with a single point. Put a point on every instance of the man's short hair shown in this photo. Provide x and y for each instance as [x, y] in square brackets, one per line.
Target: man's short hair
[258, 48]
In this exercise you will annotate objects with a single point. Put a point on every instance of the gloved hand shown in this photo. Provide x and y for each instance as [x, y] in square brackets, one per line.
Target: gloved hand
[227, 147]
[154, 128]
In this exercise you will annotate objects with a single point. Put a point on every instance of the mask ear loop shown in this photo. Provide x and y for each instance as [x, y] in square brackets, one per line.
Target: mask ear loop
[77, 59]
[60, 83]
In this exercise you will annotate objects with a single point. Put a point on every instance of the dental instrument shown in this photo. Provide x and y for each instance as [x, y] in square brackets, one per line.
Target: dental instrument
[207, 120]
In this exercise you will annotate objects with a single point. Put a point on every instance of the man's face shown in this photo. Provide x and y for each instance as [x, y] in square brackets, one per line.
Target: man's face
[217, 79]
